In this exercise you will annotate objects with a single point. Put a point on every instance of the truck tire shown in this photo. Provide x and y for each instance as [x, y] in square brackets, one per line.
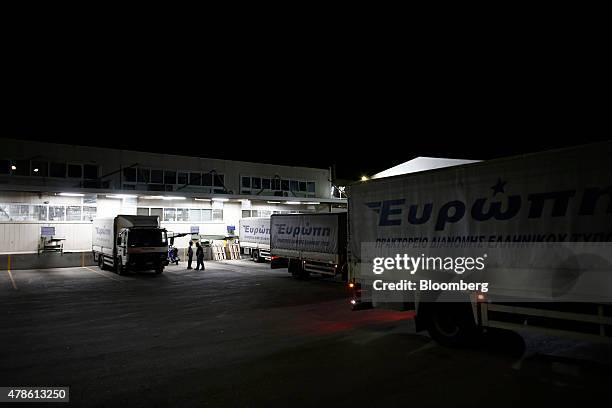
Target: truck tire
[452, 324]
[101, 261]
[255, 255]
[159, 270]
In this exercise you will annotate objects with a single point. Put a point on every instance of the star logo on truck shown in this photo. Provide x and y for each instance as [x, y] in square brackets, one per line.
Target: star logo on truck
[499, 187]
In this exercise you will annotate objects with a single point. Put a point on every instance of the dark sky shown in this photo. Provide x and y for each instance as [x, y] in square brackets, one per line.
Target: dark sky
[361, 117]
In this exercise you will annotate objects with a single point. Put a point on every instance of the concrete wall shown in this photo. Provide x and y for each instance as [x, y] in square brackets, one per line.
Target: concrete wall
[44, 261]
[111, 161]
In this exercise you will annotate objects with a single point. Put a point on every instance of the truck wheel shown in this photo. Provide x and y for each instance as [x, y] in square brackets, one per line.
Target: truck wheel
[100, 261]
[256, 256]
[452, 324]
[159, 270]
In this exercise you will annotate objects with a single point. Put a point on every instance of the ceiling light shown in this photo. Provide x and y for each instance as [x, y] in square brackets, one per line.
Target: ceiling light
[71, 194]
[121, 196]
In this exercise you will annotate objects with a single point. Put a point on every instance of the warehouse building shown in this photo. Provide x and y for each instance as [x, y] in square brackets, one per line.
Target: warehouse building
[64, 187]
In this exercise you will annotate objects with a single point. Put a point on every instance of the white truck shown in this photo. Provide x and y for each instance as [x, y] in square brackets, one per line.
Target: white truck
[130, 243]
[313, 242]
[255, 237]
[541, 225]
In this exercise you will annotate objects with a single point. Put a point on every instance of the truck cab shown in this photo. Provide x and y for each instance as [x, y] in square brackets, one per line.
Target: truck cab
[130, 243]
[142, 248]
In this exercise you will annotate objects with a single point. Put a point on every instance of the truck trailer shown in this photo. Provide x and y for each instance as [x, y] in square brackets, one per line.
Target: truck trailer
[540, 223]
[309, 243]
[130, 243]
[255, 237]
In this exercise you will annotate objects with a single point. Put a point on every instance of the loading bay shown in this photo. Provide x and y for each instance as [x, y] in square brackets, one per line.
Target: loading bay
[240, 334]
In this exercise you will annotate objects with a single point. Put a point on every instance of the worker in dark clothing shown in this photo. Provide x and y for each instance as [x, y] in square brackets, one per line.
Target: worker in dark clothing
[199, 256]
[190, 254]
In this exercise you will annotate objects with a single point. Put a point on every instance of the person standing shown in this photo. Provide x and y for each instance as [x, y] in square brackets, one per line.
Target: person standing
[190, 254]
[199, 256]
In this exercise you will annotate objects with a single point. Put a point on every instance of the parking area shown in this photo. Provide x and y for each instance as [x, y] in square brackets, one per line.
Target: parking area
[241, 334]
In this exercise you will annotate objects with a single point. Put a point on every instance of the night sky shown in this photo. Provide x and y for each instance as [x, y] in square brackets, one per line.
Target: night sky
[318, 114]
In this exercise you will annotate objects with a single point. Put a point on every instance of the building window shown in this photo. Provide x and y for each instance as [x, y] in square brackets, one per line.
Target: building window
[57, 170]
[18, 212]
[285, 185]
[256, 183]
[294, 185]
[89, 213]
[195, 215]
[157, 212]
[207, 180]
[5, 167]
[143, 175]
[169, 214]
[22, 168]
[73, 213]
[217, 215]
[219, 180]
[57, 213]
[195, 179]
[157, 176]
[276, 184]
[311, 186]
[183, 178]
[40, 212]
[90, 171]
[169, 177]
[129, 175]
[246, 182]
[182, 214]
[302, 186]
[206, 215]
[266, 184]
[75, 171]
[246, 213]
[39, 168]
[142, 211]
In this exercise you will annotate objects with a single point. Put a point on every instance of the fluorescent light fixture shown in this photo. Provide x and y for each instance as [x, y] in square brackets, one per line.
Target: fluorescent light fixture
[13, 167]
[159, 197]
[293, 202]
[71, 194]
[222, 200]
[202, 199]
[121, 196]
[312, 202]
[274, 202]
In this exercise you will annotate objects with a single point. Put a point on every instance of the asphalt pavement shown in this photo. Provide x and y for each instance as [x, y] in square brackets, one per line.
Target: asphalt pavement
[241, 334]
